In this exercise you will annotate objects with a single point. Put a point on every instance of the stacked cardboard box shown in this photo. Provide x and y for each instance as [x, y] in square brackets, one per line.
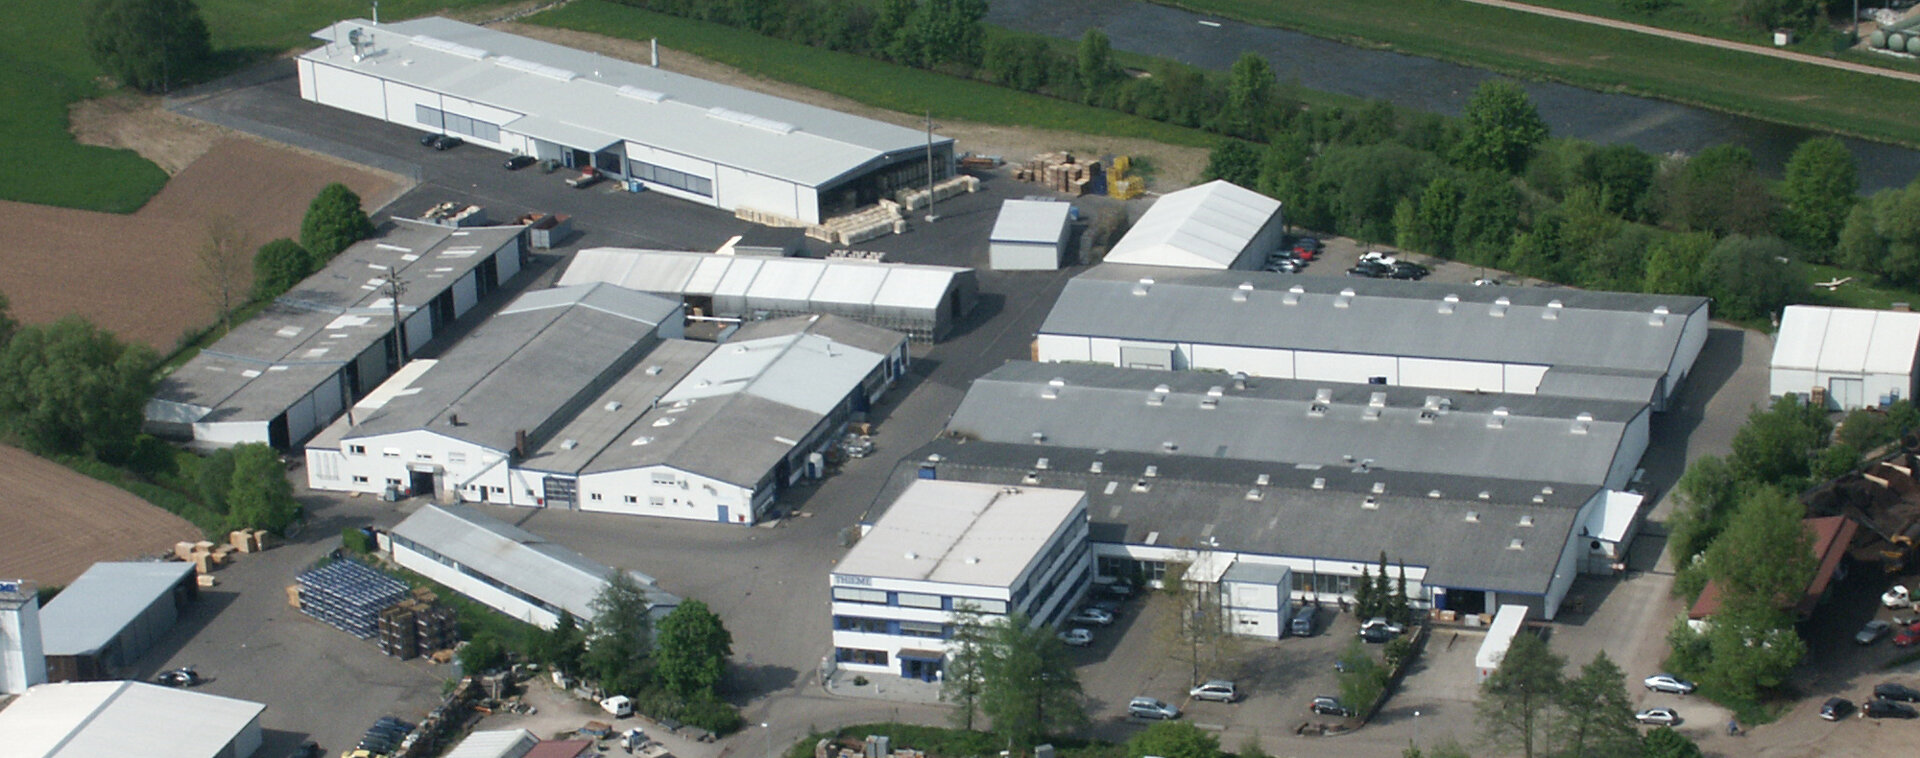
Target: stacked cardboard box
[1060, 172]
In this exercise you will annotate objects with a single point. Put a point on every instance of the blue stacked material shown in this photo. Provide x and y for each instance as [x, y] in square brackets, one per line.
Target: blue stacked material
[349, 596]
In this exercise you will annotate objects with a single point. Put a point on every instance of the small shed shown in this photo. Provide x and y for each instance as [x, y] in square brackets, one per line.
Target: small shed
[1257, 599]
[110, 615]
[1030, 235]
[1853, 357]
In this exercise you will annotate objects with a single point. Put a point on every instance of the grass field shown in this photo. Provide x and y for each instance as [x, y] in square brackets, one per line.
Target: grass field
[875, 83]
[1863, 292]
[44, 68]
[1604, 59]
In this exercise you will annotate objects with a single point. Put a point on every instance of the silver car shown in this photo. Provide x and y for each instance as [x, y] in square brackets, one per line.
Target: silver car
[1219, 690]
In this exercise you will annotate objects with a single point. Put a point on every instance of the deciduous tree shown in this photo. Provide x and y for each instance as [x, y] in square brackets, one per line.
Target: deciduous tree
[1249, 97]
[1098, 73]
[963, 680]
[1766, 553]
[278, 266]
[1501, 127]
[260, 496]
[1032, 690]
[1173, 739]
[1664, 742]
[1517, 702]
[1361, 678]
[1751, 277]
[1822, 180]
[72, 387]
[1597, 720]
[149, 45]
[220, 266]
[1773, 445]
[334, 220]
[1234, 161]
[621, 639]
[693, 649]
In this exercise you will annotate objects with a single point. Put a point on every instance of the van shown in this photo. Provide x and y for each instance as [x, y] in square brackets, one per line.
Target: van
[1302, 624]
[618, 705]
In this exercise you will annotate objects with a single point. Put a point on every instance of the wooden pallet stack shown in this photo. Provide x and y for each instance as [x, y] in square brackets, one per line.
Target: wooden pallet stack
[1061, 172]
[417, 626]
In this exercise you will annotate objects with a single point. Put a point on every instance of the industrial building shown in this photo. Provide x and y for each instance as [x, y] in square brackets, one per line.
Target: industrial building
[923, 302]
[1467, 544]
[109, 616]
[650, 128]
[1285, 421]
[1511, 340]
[1853, 357]
[22, 662]
[289, 371]
[495, 743]
[510, 569]
[93, 719]
[942, 546]
[1030, 235]
[1217, 225]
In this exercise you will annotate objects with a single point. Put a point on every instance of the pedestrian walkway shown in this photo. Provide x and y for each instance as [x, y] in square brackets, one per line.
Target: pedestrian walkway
[1742, 47]
[892, 689]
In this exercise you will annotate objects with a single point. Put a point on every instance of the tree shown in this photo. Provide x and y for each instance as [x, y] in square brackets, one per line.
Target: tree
[147, 44]
[1664, 742]
[1765, 554]
[1517, 701]
[278, 266]
[1598, 720]
[621, 636]
[1363, 599]
[563, 646]
[7, 323]
[220, 266]
[1773, 445]
[1489, 212]
[1234, 161]
[1434, 218]
[1751, 649]
[1708, 491]
[1719, 191]
[1882, 235]
[1362, 678]
[1750, 277]
[1676, 264]
[1625, 173]
[481, 654]
[1400, 607]
[1098, 73]
[1819, 190]
[693, 649]
[72, 387]
[260, 496]
[1197, 635]
[1362, 184]
[1031, 689]
[1249, 97]
[964, 678]
[1501, 128]
[334, 221]
[1173, 739]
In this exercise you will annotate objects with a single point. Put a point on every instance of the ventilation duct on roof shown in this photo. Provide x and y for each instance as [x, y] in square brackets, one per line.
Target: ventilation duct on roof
[1253, 494]
[641, 93]
[1293, 295]
[1499, 307]
[1379, 488]
[451, 48]
[1515, 544]
[1435, 494]
[1049, 393]
[1498, 419]
[1039, 437]
[1032, 477]
[1240, 292]
[1526, 521]
[1040, 464]
[1345, 299]
[1141, 485]
[1057, 382]
[1547, 490]
[1143, 286]
[1377, 400]
[1095, 468]
[1552, 312]
[537, 69]
[1319, 483]
[1262, 480]
[1152, 471]
[1485, 495]
[1582, 423]
[748, 119]
[1473, 517]
[1659, 316]
[1447, 303]
[1371, 503]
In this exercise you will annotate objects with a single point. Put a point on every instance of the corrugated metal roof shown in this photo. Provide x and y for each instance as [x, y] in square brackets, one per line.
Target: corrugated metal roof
[1847, 340]
[94, 719]
[499, 743]
[1199, 227]
[961, 533]
[88, 614]
[575, 96]
[519, 558]
[826, 285]
[1031, 221]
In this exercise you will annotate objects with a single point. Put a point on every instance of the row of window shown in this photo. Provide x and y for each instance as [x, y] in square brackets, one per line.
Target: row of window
[667, 177]
[454, 456]
[915, 600]
[464, 569]
[863, 657]
[456, 123]
[926, 629]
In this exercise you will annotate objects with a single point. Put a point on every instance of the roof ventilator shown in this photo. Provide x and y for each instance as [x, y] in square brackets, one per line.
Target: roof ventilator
[1239, 380]
[1447, 303]
[1371, 503]
[1379, 488]
[1032, 477]
[1473, 517]
[1345, 299]
[1152, 471]
[1434, 494]
[1526, 521]
[1095, 468]
[1499, 307]
[1039, 437]
[1485, 495]
[1552, 313]
[1041, 464]
[1254, 494]
[1515, 544]
[1240, 292]
[1539, 499]
[1142, 287]
[1659, 316]
[1319, 483]
[1263, 480]
[1141, 485]
[1498, 419]
[1169, 446]
[1547, 490]
[1582, 423]
[1293, 295]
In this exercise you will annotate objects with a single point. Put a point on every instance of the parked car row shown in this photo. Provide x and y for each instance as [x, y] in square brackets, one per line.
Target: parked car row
[1890, 701]
[1385, 267]
[385, 735]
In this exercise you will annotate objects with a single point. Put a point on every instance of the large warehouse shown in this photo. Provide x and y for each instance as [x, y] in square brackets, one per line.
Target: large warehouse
[923, 302]
[94, 719]
[1512, 340]
[654, 129]
[102, 622]
[510, 569]
[292, 369]
[1217, 225]
[1857, 357]
[1519, 437]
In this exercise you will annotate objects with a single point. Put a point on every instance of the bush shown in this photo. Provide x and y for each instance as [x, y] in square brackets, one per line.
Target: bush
[706, 712]
[931, 739]
[355, 540]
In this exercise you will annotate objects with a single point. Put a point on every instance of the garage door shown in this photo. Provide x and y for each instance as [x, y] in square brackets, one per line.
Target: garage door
[1847, 393]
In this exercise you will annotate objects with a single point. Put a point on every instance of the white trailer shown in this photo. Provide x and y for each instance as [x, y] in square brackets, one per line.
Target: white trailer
[1506, 624]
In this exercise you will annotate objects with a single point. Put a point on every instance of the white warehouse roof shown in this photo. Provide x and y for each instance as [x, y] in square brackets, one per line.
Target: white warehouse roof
[1199, 227]
[94, 609]
[1039, 221]
[93, 719]
[589, 101]
[961, 533]
[1847, 340]
[498, 743]
[840, 286]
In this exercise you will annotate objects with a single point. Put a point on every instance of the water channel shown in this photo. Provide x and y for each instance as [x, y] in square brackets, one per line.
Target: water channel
[1653, 125]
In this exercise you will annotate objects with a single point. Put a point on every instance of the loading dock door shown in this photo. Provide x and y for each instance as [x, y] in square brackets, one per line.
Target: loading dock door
[1847, 393]
[1160, 358]
[560, 492]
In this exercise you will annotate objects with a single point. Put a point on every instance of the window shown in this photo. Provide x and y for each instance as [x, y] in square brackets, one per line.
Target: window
[997, 607]
[428, 116]
[667, 177]
[656, 501]
[912, 600]
[392, 452]
[864, 657]
[456, 123]
[633, 498]
[857, 595]
[664, 477]
[923, 629]
[859, 624]
[594, 497]
[456, 457]
[359, 480]
[357, 449]
[423, 455]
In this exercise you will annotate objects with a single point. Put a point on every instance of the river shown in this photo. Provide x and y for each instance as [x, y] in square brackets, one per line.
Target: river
[1426, 84]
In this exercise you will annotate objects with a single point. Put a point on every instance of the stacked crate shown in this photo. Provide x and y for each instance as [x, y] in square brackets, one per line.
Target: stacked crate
[417, 626]
[1061, 172]
[349, 596]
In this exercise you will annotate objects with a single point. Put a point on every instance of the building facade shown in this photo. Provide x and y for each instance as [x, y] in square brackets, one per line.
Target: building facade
[1856, 358]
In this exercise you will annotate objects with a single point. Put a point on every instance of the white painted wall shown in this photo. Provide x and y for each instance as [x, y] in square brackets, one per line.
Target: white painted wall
[459, 582]
[304, 69]
[207, 435]
[737, 188]
[23, 663]
[1460, 375]
[348, 91]
[1252, 361]
[1023, 256]
[402, 98]
[466, 293]
[1345, 367]
[1060, 348]
[1633, 447]
[247, 742]
[687, 496]
[1570, 556]
[1416, 575]
[1692, 339]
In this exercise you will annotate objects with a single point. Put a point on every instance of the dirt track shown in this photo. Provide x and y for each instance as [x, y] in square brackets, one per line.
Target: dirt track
[55, 522]
[135, 274]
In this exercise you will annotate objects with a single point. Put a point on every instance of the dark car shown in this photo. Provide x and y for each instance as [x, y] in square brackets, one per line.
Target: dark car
[519, 162]
[1888, 709]
[378, 743]
[1329, 706]
[1376, 634]
[1836, 708]
[1892, 691]
[1408, 270]
[440, 141]
[1122, 589]
[180, 677]
[308, 749]
[1370, 269]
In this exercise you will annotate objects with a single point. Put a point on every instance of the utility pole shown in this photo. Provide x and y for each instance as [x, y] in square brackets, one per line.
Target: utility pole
[930, 177]
[396, 287]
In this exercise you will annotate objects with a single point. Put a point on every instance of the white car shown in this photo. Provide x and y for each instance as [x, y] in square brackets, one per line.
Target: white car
[1668, 683]
[1077, 637]
[1381, 622]
[1383, 258]
[1218, 689]
[1092, 615]
[1897, 597]
[1657, 717]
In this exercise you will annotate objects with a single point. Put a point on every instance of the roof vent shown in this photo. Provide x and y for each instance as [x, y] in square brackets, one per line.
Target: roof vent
[1240, 292]
[569, 444]
[1263, 480]
[1345, 299]
[1499, 307]
[642, 93]
[664, 421]
[1142, 287]
[1539, 499]
[1658, 317]
[1049, 394]
[1254, 494]
[748, 119]
[1552, 312]
[1240, 380]
[1473, 517]
[1434, 494]
[1437, 403]
[1095, 468]
[1515, 544]
[1377, 400]
[1498, 419]
[638, 441]
[1209, 403]
[1152, 471]
[653, 371]
[1582, 423]
[1485, 495]
[1032, 477]
[973, 559]
[912, 556]
[1216, 391]
[1039, 437]
[1293, 295]
[1379, 488]
[1323, 395]
[1447, 303]
[1319, 483]
[1317, 410]
[1057, 382]
[1547, 490]
[1141, 485]
[1370, 414]
[612, 405]
[1427, 415]
[1371, 503]
[1526, 521]
[1041, 464]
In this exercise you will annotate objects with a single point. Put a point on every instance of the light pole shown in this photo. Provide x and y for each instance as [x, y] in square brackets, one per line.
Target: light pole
[930, 176]
[1415, 742]
[768, 731]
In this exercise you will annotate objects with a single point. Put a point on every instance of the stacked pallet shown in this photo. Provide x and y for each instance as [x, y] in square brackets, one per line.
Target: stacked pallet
[205, 556]
[349, 596]
[863, 225]
[915, 199]
[416, 627]
[248, 540]
[1060, 172]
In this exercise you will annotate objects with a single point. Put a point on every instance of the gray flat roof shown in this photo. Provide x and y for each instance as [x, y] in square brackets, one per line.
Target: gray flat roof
[838, 284]
[578, 98]
[1420, 519]
[604, 420]
[1551, 327]
[301, 340]
[1031, 221]
[1522, 437]
[1256, 573]
[93, 719]
[524, 365]
[961, 533]
[97, 606]
[518, 558]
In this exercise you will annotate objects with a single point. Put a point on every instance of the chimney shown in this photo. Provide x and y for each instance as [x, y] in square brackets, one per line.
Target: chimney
[520, 443]
[453, 419]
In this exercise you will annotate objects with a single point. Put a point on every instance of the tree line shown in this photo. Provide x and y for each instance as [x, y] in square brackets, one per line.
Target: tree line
[1530, 707]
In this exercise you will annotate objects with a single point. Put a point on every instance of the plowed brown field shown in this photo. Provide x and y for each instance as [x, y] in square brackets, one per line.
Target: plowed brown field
[55, 522]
